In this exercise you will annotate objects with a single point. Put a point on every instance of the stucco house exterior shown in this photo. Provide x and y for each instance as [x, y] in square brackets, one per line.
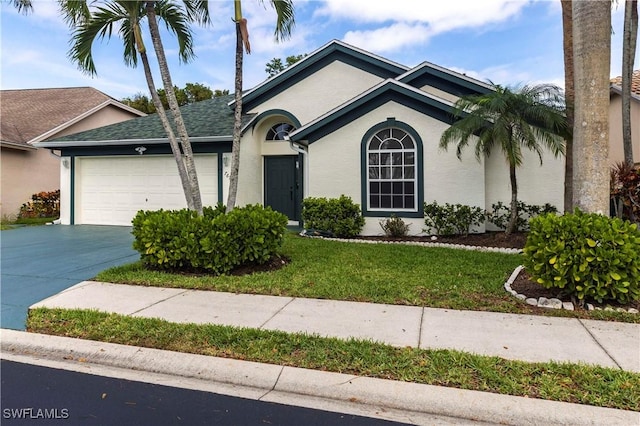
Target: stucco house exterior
[340, 121]
[616, 151]
[29, 116]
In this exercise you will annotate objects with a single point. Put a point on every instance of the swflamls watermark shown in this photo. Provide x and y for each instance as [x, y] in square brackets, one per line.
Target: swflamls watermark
[32, 413]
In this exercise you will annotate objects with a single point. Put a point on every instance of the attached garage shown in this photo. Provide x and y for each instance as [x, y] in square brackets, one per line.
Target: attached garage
[111, 190]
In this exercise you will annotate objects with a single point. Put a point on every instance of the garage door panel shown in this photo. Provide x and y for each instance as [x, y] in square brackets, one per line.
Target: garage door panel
[111, 190]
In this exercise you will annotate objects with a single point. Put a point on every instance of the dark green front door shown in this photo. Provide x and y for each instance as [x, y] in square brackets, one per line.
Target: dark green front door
[282, 188]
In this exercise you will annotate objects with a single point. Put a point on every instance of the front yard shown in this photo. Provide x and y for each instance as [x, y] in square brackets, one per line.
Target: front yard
[379, 273]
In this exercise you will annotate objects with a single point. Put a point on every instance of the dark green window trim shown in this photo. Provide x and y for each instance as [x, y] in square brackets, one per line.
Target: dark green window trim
[284, 113]
[392, 122]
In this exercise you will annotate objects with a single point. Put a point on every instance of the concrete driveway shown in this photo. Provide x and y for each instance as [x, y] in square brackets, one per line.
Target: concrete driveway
[37, 262]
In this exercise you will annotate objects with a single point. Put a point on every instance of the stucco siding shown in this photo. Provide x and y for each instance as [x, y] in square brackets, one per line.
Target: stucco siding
[25, 173]
[335, 164]
[321, 92]
[439, 93]
[616, 150]
[536, 184]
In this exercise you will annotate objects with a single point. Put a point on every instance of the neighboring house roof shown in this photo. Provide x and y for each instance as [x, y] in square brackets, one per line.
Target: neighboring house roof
[616, 85]
[32, 115]
[209, 120]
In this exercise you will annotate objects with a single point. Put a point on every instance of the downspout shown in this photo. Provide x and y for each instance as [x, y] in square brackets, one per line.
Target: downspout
[295, 146]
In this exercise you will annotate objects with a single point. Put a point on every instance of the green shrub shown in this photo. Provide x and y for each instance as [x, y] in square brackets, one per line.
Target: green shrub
[42, 204]
[394, 226]
[339, 216]
[215, 242]
[587, 256]
[501, 213]
[451, 219]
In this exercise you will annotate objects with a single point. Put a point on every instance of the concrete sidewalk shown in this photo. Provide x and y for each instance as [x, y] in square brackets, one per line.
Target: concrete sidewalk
[517, 337]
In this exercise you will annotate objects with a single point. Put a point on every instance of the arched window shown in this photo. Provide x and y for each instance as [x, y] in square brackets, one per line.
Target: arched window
[392, 171]
[279, 131]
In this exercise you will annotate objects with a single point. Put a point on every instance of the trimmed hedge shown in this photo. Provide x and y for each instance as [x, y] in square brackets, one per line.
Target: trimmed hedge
[339, 217]
[588, 256]
[216, 242]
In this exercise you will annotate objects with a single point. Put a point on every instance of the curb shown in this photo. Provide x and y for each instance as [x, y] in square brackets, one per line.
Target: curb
[406, 396]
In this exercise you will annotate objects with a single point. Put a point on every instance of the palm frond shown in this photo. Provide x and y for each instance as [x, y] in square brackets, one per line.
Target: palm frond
[177, 21]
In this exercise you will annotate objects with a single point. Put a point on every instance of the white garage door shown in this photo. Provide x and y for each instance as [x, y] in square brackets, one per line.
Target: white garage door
[111, 190]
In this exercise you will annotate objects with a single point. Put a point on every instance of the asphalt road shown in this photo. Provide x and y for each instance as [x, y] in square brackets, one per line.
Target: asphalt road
[33, 394]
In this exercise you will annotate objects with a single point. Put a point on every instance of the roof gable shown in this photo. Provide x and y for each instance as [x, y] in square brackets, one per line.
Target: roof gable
[428, 74]
[31, 115]
[333, 51]
[386, 91]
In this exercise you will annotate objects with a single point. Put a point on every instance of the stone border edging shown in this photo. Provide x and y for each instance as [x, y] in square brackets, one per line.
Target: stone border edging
[420, 243]
[553, 303]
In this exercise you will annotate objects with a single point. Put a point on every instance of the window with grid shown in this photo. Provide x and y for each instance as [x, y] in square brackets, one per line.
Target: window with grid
[279, 131]
[391, 171]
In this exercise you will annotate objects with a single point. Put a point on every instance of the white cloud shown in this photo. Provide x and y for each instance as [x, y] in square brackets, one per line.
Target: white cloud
[389, 38]
[439, 15]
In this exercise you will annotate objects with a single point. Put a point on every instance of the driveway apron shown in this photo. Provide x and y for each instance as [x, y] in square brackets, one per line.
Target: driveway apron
[40, 261]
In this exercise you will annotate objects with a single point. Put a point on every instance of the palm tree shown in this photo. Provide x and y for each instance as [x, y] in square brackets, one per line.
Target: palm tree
[592, 57]
[629, 38]
[196, 10]
[567, 43]
[23, 6]
[527, 117]
[126, 17]
[284, 24]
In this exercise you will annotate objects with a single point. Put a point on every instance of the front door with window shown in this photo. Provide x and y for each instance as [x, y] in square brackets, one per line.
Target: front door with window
[282, 184]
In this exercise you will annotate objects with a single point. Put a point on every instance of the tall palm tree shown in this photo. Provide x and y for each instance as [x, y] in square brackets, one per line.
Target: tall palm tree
[567, 44]
[629, 39]
[196, 11]
[285, 21]
[513, 119]
[592, 57]
[126, 16]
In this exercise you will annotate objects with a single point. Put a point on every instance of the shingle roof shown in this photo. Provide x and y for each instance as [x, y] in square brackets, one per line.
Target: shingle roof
[209, 118]
[29, 113]
[635, 82]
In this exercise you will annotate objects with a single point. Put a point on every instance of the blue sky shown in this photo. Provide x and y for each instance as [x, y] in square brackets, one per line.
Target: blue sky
[506, 41]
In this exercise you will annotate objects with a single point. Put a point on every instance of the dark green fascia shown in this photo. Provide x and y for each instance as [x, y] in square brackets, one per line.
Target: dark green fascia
[391, 122]
[334, 52]
[444, 81]
[151, 149]
[389, 92]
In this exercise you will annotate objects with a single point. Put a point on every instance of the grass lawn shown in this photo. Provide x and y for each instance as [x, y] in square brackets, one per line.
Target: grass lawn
[553, 381]
[35, 221]
[378, 273]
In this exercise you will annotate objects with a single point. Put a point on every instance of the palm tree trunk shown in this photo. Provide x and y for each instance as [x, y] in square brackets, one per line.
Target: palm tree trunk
[173, 142]
[592, 52]
[513, 218]
[175, 109]
[567, 35]
[629, 39]
[237, 118]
